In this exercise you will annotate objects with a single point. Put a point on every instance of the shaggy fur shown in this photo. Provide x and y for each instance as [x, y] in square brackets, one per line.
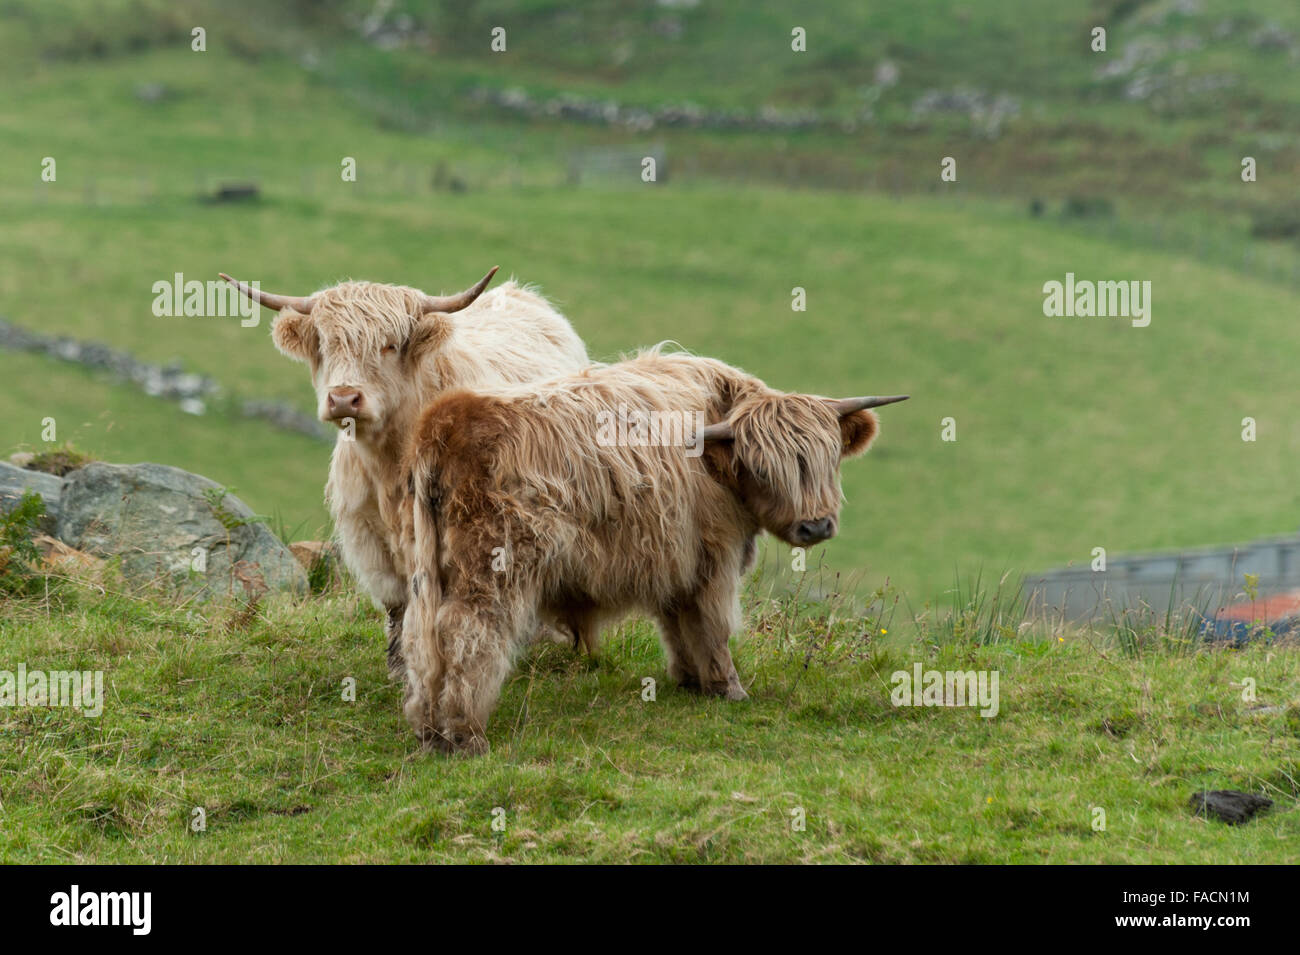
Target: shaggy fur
[373, 338]
[519, 515]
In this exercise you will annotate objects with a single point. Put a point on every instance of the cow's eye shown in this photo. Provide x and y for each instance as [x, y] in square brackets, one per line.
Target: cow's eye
[388, 350]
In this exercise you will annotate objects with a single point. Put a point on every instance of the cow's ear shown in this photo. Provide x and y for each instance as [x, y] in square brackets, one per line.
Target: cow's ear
[857, 431]
[720, 461]
[295, 335]
[427, 336]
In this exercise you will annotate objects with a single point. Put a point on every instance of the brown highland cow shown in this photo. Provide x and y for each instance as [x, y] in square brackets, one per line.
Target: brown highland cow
[577, 500]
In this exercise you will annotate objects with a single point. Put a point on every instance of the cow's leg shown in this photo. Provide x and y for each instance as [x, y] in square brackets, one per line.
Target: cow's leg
[706, 622]
[681, 662]
[584, 624]
[364, 544]
[423, 657]
[393, 629]
[368, 556]
[477, 643]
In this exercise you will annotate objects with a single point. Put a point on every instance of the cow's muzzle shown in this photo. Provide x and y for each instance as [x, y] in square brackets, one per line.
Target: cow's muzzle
[342, 403]
[814, 532]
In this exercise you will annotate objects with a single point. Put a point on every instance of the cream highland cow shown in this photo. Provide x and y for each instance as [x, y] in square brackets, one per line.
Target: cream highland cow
[378, 354]
[523, 511]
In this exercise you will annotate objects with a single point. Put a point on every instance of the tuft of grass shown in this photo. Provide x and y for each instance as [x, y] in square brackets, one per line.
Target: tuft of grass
[1180, 628]
[285, 532]
[19, 557]
[59, 461]
[325, 573]
[974, 614]
[216, 501]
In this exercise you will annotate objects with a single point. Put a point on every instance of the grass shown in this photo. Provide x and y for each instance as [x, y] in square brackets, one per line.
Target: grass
[243, 715]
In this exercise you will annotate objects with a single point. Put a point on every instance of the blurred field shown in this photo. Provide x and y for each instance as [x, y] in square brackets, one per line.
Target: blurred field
[1072, 433]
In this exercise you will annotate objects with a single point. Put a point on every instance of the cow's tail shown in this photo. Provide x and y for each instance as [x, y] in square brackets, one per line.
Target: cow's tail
[424, 588]
[420, 647]
[425, 531]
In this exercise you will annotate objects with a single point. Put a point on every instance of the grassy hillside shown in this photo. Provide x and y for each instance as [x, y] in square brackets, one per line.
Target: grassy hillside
[1072, 433]
[246, 720]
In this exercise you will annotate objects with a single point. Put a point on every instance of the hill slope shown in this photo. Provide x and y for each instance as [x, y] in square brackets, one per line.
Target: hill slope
[1071, 433]
[246, 720]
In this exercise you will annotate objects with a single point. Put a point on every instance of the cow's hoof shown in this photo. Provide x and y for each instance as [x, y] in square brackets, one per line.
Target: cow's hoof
[473, 746]
[732, 691]
[461, 742]
[428, 737]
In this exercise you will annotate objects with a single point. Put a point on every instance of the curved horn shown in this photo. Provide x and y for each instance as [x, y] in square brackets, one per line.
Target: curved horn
[722, 431]
[272, 301]
[843, 406]
[454, 303]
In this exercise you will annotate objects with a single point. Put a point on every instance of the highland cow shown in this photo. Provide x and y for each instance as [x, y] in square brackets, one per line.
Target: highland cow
[522, 510]
[378, 354]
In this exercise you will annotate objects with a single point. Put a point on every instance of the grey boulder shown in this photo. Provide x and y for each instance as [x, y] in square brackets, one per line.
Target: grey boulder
[167, 524]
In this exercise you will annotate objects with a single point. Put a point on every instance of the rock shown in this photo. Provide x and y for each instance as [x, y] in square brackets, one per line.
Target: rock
[1231, 806]
[15, 480]
[165, 381]
[152, 92]
[20, 459]
[886, 73]
[166, 523]
[236, 192]
[1271, 36]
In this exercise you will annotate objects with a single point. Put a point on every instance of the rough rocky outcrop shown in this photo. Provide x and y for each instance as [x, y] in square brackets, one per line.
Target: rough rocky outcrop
[166, 524]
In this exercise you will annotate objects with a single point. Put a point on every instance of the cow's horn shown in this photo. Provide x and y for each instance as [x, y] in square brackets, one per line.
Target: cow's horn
[454, 303]
[270, 300]
[845, 406]
[722, 431]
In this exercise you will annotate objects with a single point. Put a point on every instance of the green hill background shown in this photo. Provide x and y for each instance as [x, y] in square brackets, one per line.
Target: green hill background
[1071, 433]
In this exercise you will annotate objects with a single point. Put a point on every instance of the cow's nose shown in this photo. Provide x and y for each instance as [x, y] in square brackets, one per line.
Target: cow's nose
[344, 402]
[812, 532]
